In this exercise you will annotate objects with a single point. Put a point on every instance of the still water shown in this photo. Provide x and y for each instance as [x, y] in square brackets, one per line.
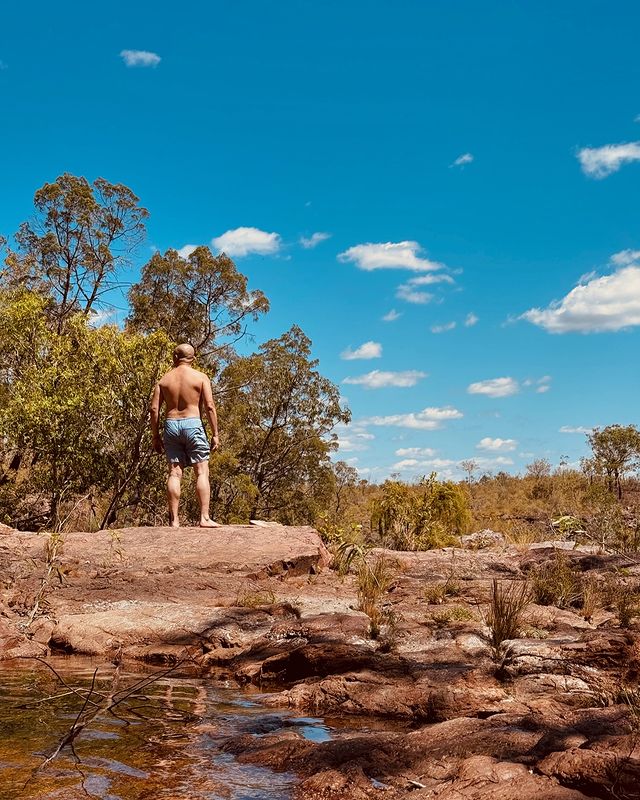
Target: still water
[161, 740]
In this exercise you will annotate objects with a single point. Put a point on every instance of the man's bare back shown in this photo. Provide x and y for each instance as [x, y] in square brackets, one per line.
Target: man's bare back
[186, 393]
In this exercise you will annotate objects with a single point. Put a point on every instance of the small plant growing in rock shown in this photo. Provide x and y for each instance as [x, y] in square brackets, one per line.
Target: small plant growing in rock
[556, 584]
[507, 604]
[437, 593]
[255, 599]
[374, 581]
[591, 599]
[452, 614]
[627, 609]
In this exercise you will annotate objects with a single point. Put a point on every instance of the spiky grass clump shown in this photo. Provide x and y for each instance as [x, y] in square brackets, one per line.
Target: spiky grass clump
[507, 604]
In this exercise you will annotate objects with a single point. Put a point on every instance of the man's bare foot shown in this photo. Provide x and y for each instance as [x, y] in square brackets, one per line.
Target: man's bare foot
[205, 522]
[174, 525]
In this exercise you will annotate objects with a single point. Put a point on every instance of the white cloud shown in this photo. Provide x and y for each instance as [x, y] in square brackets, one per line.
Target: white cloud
[411, 291]
[470, 320]
[607, 303]
[428, 280]
[413, 452]
[432, 463]
[409, 295]
[314, 240]
[495, 387]
[428, 419]
[447, 326]
[103, 316]
[185, 252]
[624, 258]
[366, 350]
[245, 241]
[140, 58]
[377, 379]
[598, 162]
[352, 438]
[543, 384]
[465, 158]
[391, 316]
[574, 429]
[497, 445]
[389, 255]
[498, 461]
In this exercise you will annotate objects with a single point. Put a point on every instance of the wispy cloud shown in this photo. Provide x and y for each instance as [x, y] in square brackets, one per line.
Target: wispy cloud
[352, 438]
[429, 463]
[599, 162]
[447, 326]
[416, 452]
[247, 241]
[366, 350]
[601, 304]
[103, 316]
[412, 290]
[624, 257]
[410, 295]
[185, 252]
[314, 240]
[428, 419]
[140, 58]
[391, 316]
[470, 320]
[389, 255]
[495, 387]
[543, 384]
[496, 461]
[377, 379]
[574, 429]
[497, 445]
[465, 158]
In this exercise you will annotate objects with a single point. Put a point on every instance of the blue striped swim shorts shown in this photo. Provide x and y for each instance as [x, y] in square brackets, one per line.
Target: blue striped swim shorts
[185, 441]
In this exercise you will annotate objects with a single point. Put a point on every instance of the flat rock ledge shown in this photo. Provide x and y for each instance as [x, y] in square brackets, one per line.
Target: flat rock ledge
[143, 592]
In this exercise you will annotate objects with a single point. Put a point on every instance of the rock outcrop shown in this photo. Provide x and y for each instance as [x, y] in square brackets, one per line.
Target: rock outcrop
[435, 710]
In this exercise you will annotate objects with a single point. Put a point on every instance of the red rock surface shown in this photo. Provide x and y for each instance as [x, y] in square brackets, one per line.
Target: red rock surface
[436, 711]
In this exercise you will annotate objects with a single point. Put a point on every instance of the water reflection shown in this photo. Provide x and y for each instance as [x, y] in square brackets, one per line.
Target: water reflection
[161, 742]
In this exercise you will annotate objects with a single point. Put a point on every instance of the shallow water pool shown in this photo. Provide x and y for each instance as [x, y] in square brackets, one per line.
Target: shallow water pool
[142, 739]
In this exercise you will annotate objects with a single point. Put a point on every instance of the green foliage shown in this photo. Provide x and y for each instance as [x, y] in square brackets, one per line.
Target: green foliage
[431, 514]
[277, 413]
[75, 407]
[616, 451]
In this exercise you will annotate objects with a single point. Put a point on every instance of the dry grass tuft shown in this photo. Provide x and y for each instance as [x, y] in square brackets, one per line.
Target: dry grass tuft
[507, 604]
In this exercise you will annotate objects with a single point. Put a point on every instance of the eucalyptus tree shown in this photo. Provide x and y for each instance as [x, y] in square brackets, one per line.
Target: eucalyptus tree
[72, 250]
[278, 414]
[202, 299]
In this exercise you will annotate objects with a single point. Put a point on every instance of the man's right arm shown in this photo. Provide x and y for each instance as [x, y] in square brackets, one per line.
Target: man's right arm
[154, 409]
[210, 410]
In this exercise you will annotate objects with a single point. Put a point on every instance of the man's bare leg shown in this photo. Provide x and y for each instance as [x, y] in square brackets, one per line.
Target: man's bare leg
[203, 490]
[173, 493]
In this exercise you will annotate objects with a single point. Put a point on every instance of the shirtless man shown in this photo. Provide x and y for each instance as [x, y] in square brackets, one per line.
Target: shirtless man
[185, 391]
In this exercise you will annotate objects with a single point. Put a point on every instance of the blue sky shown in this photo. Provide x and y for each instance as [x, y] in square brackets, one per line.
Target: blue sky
[470, 162]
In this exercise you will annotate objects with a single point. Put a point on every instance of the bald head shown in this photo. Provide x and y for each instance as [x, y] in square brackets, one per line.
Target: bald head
[184, 353]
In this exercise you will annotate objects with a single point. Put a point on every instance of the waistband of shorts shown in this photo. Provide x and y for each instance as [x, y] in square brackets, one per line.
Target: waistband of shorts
[183, 423]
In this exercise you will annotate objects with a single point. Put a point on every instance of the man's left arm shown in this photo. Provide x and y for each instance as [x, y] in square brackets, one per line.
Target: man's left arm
[206, 403]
